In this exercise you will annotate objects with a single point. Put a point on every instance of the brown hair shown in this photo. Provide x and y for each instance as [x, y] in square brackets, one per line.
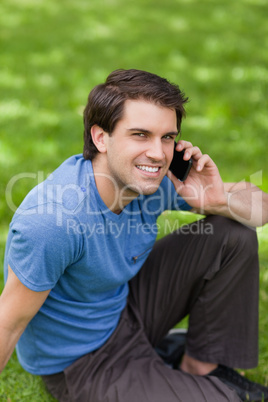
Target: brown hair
[106, 101]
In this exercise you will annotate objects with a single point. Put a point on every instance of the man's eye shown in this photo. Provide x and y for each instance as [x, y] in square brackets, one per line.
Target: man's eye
[168, 137]
[139, 134]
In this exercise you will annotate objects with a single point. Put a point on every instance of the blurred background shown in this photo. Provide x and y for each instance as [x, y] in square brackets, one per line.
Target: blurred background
[54, 52]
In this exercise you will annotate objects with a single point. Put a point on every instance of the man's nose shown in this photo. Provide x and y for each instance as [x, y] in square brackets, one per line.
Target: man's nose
[155, 151]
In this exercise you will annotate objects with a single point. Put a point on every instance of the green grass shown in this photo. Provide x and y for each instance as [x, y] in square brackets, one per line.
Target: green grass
[53, 53]
[17, 385]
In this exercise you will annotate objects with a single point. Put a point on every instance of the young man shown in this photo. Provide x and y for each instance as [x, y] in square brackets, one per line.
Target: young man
[89, 294]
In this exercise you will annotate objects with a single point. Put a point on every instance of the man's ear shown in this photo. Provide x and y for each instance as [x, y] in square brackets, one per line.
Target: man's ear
[98, 134]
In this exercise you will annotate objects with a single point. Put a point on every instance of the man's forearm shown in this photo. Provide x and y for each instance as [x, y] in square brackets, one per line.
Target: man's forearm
[245, 203]
[18, 305]
[8, 342]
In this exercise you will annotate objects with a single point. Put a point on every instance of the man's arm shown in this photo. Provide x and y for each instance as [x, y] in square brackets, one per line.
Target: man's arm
[246, 203]
[18, 305]
[205, 191]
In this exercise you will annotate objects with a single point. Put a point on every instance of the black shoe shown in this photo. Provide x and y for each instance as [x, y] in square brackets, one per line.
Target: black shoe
[246, 390]
[172, 347]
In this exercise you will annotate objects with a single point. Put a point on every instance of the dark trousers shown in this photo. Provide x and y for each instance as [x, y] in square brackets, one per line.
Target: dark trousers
[208, 270]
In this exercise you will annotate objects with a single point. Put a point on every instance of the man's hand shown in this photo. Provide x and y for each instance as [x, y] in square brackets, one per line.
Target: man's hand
[203, 189]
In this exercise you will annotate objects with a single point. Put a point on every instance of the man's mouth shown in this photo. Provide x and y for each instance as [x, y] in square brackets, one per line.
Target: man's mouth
[149, 169]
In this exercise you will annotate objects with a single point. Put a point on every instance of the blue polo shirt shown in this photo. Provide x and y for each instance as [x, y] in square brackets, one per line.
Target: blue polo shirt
[64, 238]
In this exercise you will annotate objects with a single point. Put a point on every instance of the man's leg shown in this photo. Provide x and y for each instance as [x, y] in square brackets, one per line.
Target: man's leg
[209, 271]
[170, 285]
[127, 368]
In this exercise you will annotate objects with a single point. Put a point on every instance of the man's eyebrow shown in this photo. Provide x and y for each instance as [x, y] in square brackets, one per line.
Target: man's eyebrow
[172, 133]
[144, 130]
[141, 130]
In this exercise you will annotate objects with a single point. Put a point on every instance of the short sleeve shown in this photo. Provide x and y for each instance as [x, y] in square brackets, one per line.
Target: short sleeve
[39, 250]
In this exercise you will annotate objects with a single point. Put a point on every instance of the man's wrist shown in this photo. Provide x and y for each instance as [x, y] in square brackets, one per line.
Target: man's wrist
[220, 206]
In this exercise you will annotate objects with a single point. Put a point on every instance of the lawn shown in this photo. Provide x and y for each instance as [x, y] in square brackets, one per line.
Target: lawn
[53, 53]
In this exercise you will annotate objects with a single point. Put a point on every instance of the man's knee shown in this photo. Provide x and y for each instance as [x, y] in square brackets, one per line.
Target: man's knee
[235, 233]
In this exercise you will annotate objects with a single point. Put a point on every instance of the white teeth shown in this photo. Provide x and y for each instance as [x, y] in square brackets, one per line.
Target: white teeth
[148, 169]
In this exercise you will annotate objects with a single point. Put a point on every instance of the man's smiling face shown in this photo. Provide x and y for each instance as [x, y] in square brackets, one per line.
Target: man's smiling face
[140, 149]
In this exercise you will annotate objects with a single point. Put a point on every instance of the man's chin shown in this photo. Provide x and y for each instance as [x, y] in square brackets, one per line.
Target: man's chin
[146, 190]
[139, 188]
[150, 190]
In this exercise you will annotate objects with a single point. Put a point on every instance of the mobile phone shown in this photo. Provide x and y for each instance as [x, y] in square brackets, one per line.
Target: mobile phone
[179, 167]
